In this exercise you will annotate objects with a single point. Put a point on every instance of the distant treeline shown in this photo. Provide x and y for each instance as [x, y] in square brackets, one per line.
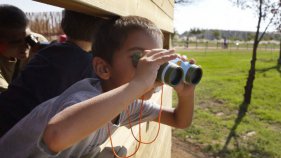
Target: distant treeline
[45, 23]
[48, 24]
[225, 34]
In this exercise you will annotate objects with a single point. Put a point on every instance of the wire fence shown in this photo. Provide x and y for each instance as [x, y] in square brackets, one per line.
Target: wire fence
[229, 46]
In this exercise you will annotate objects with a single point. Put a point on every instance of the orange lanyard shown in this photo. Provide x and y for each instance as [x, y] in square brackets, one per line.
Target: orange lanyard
[139, 140]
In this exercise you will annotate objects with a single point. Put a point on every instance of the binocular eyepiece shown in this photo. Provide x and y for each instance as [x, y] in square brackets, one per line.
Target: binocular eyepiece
[33, 42]
[172, 72]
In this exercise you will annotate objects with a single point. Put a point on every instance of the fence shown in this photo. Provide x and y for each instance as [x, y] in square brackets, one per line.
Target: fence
[231, 45]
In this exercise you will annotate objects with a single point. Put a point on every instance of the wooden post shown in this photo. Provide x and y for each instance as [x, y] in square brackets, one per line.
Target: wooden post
[167, 43]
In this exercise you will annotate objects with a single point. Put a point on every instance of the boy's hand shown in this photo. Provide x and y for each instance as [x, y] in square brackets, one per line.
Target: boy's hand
[149, 64]
[183, 89]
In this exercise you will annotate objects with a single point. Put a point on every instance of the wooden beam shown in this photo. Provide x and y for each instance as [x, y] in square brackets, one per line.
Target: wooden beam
[165, 6]
[158, 11]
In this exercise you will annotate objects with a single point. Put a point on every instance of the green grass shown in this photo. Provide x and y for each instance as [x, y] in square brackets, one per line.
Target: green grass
[219, 95]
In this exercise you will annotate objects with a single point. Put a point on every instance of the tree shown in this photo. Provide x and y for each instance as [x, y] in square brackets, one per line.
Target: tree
[174, 33]
[183, 1]
[267, 11]
[279, 30]
[279, 60]
[250, 36]
[216, 34]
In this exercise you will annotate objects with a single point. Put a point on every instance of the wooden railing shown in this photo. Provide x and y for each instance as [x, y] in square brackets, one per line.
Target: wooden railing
[125, 144]
[161, 12]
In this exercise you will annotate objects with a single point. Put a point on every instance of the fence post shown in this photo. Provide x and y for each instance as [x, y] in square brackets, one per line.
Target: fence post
[206, 46]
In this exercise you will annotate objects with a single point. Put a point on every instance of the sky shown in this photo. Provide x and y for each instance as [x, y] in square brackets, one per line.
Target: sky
[202, 14]
[214, 14]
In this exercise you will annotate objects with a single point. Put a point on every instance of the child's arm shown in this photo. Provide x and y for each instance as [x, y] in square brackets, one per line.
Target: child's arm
[78, 121]
[181, 116]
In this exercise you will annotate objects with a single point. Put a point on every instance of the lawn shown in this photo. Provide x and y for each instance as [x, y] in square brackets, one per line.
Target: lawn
[219, 95]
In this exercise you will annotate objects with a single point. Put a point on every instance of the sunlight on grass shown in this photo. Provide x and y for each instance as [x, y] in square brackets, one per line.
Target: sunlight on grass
[219, 95]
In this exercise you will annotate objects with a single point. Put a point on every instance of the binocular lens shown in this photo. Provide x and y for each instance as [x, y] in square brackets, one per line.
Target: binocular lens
[170, 73]
[174, 76]
[194, 75]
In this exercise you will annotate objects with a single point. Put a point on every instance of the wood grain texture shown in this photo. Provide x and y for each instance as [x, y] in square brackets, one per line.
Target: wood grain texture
[161, 12]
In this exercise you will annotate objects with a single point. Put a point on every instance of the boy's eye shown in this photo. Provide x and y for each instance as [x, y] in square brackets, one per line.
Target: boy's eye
[136, 57]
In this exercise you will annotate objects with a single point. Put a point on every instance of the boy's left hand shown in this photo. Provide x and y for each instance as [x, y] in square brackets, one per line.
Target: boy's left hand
[183, 89]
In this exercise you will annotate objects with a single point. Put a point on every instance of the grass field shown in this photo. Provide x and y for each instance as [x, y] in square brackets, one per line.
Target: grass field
[219, 95]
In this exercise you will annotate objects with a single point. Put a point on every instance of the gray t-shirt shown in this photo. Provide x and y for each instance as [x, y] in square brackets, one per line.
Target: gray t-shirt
[25, 138]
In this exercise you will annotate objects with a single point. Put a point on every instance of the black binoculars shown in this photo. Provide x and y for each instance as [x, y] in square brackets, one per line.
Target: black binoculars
[32, 41]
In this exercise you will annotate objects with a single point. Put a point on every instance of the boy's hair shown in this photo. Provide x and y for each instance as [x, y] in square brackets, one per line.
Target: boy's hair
[113, 34]
[11, 17]
[79, 25]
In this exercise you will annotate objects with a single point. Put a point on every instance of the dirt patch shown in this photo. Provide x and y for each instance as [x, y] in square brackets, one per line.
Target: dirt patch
[184, 149]
[211, 103]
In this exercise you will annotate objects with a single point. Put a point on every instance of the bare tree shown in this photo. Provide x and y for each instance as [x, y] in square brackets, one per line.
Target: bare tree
[267, 11]
[277, 23]
[279, 60]
[183, 1]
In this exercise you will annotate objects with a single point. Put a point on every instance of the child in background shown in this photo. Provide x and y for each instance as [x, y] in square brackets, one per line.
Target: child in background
[76, 123]
[13, 47]
[52, 70]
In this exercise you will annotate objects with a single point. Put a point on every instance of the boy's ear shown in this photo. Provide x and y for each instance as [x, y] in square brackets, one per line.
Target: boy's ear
[102, 68]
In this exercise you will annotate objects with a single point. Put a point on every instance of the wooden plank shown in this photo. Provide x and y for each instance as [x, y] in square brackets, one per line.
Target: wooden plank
[105, 8]
[165, 6]
[163, 142]
[161, 148]
[123, 136]
[172, 2]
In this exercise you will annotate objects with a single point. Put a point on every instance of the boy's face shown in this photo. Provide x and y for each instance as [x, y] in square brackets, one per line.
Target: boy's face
[122, 68]
[14, 45]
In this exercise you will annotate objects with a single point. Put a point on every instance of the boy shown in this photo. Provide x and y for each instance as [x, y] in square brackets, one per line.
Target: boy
[75, 123]
[51, 71]
[14, 51]
[12, 42]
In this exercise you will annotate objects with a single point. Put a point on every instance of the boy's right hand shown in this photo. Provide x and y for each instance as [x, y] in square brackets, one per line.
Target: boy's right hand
[149, 64]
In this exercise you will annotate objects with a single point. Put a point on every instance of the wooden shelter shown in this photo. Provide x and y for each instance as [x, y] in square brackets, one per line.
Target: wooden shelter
[161, 12]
